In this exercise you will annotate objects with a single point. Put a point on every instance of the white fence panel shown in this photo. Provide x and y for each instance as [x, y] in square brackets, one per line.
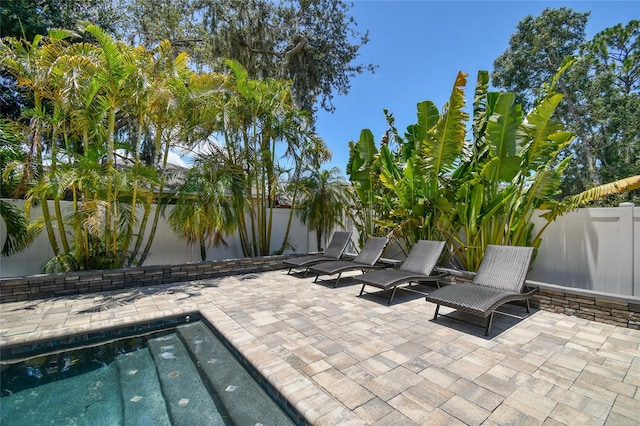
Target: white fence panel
[594, 249]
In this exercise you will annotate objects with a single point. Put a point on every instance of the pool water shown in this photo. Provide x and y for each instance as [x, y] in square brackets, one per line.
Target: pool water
[185, 376]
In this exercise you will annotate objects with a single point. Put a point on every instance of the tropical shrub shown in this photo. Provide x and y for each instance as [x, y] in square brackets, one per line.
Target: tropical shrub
[438, 185]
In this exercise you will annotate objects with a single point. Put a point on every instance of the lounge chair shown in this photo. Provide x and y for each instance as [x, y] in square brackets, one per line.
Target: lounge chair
[334, 251]
[366, 259]
[500, 279]
[417, 267]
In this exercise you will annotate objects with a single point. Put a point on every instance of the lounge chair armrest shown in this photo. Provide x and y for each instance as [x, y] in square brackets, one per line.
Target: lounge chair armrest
[456, 273]
[392, 263]
[437, 273]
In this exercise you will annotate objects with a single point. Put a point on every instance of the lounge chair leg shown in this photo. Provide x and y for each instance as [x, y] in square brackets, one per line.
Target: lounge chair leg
[393, 293]
[337, 279]
[289, 271]
[362, 290]
[305, 272]
[486, 332]
[316, 279]
[435, 316]
[528, 307]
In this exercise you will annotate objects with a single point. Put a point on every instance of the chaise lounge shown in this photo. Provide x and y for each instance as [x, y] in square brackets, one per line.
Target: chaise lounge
[334, 251]
[417, 267]
[500, 279]
[365, 260]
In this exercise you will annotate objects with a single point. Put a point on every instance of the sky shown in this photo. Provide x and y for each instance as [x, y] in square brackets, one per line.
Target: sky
[420, 46]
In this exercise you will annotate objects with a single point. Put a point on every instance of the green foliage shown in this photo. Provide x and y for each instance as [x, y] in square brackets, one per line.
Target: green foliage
[312, 43]
[20, 234]
[362, 172]
[259, 118]
[88, 101]
[601, 92]
[105, 118]
[436, 185]
[203, 213]
[323, 204]
[537, 50]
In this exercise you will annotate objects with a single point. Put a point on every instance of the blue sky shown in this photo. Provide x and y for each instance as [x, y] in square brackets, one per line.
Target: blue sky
[419, 47]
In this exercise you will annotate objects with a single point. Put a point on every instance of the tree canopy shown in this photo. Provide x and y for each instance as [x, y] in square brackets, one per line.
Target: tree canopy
[314, 43]
[601, 90]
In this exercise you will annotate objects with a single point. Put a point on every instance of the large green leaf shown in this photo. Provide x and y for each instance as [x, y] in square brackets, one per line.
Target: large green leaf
[19, 232]
[480, 105]
[539, 126]
[390, 173]
[444, 141]
[428, 116]
[501, 169]
[596, 193]
[503, 138]
[363, 155]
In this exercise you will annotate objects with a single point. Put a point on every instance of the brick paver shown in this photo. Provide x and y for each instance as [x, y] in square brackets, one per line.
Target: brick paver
[348, 360]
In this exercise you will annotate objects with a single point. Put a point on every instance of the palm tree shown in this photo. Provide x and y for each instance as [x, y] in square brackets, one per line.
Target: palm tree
[255, 118]
[308, 153]
[325, 202]
[203, 213]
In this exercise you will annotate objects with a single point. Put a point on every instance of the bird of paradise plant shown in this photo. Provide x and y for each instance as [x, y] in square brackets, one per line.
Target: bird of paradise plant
[438, 185]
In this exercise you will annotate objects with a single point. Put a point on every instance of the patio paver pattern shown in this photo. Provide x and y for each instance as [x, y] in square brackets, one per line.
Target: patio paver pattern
[348, 360]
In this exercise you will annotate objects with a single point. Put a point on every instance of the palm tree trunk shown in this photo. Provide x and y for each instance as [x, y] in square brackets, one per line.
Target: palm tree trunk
[289, 220]
[203, 249]
[319, 238]
[56, 196]
[110, 240]
[134, 200]
[156, 216]
[37, 148]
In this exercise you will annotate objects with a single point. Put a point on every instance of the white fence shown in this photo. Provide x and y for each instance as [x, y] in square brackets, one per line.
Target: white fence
[596, 249]
[167, 247]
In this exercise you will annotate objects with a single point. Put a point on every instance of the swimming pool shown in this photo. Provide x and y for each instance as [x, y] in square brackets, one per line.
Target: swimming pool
[181, 376]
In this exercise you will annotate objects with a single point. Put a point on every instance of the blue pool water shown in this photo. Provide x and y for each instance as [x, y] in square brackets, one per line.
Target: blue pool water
[183, 376]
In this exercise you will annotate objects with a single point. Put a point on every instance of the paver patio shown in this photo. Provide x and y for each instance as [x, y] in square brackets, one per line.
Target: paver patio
[348, 360]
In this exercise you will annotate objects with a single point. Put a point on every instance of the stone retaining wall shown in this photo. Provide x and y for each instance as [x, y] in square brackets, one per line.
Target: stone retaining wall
[57, 285]
[622, 311]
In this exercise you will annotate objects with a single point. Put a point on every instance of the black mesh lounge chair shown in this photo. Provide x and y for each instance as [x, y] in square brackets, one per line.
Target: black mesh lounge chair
[500, 279]
[334, 251]
[366, 259]
[417, 267]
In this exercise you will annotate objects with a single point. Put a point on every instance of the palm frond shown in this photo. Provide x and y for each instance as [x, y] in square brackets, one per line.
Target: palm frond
[599, 192]
[19, 233]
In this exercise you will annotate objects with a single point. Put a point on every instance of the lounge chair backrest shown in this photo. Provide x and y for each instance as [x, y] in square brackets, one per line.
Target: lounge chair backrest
[372, 251]
[337, 245]
[423, 257]
[504, 267]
